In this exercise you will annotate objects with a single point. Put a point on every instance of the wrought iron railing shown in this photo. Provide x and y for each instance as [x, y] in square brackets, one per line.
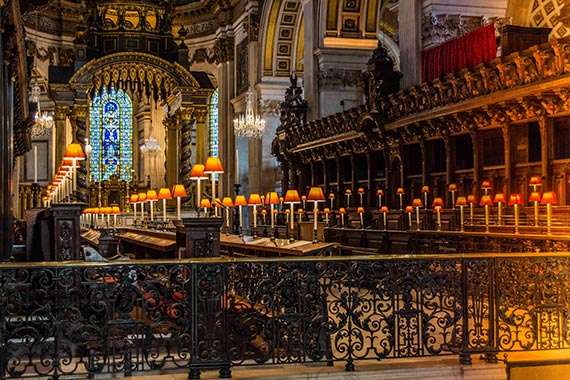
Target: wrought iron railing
[83, 319]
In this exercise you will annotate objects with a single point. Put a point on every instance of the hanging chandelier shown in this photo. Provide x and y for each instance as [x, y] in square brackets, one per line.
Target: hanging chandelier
[249, 125]
[151, 147]
[43, 122]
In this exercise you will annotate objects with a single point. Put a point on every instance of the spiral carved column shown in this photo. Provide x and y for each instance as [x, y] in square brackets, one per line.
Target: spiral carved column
[80, 135]
[186, 117]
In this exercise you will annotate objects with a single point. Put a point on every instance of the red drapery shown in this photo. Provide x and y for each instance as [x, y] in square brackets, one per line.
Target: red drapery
[466, 51]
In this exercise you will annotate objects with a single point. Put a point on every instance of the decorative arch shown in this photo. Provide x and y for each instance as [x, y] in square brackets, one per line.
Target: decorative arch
[282, 42]
[111, 135]
[141, 72]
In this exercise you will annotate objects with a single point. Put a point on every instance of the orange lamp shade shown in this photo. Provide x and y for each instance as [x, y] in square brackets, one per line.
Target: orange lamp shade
[108, 210]
[548, 198]
[67, 163]
[303, 197]
[197, 172]
[115, 210]
[205, 203]
[360, 210]
[74, 151]
[409, 209]
[254, 199]
[142, 197]
[134, 198]
[316, 194]
[299, 211]
[272, 198]
[240, 200]
[331, 195]
[400, 190]
[472, 198]
[379, 192]
[264, 212]
[228, 202]
[534, 197]
[213, 165]
[461, 201]
[384, 209]
[437, 209]
[500, 197]
[425, 189]
[327, 210]
[361, 190]
[486, 201]
[515, 199]
[486, 184]
[96, 210]
[179, 191]
[452, 187]
[348, 191]
[342, 210]
[292, 196]
[287, 211]
[164, 193]
[417, 202]
[535, 180]
[151, 195]
[437, 202]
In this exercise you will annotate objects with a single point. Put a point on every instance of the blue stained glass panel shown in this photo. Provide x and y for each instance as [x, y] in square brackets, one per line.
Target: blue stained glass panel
[111, 136]
[214, 126]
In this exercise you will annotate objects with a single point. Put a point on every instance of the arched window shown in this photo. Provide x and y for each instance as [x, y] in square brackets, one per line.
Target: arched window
[111, 134]
[214, 127]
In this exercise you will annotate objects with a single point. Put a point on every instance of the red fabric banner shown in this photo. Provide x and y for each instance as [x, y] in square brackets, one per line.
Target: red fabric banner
[466, 51]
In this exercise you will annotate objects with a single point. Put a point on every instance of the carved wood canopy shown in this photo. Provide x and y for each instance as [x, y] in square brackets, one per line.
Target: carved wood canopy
[525, 85]
[139, 72]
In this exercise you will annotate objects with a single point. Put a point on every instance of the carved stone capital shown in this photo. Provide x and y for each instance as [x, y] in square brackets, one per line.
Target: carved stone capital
[185, 114]
[170, 123]
[61, 112]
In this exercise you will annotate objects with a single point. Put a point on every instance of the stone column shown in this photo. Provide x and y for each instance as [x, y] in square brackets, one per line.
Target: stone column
[172, 149]
[410, 21]
[66, 230]
[200, 117]
[59, 115]
[310, 87]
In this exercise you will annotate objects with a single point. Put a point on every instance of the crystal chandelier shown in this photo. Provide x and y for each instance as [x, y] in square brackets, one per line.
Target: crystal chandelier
[249, 125]
[43, 122]
[151, 147]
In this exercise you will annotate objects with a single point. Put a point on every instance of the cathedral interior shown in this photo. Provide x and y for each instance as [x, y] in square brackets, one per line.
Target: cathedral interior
[208, 185]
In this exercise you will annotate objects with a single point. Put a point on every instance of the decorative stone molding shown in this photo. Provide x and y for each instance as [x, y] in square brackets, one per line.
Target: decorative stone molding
[437, 29]
[334, 78]
[269, 106]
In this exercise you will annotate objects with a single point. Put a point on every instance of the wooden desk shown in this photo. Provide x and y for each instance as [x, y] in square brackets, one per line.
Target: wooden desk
[146, 243]
[233, 245]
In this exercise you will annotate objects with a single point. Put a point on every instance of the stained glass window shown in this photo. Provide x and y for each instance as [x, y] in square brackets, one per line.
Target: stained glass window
[111, 136]
[214, 127]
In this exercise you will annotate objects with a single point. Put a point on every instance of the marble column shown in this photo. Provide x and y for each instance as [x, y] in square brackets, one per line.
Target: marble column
[410, 21]
[310, 67]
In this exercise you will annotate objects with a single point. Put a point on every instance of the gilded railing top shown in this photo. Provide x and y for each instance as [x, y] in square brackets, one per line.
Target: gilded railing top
[231, 260]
